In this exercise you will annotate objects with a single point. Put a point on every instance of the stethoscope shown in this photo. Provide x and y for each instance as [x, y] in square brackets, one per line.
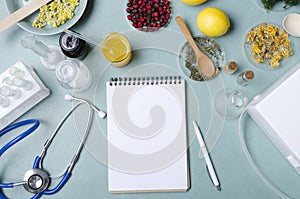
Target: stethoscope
[37, 180]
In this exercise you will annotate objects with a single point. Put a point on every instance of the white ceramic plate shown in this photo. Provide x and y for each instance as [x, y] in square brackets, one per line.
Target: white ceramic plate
[13, 5]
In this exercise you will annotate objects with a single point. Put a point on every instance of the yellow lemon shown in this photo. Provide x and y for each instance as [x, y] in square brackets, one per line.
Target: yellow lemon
[115, 47]
[193, 2]
[213, 22]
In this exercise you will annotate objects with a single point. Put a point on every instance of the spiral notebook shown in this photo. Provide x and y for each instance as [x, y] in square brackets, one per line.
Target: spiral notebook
[146, 130]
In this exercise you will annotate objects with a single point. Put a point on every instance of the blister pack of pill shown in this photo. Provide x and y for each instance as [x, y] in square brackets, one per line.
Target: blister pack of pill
[20, 90]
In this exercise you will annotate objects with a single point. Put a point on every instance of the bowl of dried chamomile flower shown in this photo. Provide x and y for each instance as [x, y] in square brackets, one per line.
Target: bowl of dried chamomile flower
[267, 46]
[51, 18]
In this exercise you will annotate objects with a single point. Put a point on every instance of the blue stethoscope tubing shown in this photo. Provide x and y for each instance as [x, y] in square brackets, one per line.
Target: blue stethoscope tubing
[35, 125]
[39, 159]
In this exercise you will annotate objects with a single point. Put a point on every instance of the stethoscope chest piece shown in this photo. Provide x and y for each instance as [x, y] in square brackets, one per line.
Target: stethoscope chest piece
[36, 180]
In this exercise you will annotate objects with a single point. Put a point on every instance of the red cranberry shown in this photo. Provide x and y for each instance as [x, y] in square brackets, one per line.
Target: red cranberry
[148, 15]
[155, 14]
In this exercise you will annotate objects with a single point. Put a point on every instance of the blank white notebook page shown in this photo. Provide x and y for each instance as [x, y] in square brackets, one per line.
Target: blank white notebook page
[146, 130]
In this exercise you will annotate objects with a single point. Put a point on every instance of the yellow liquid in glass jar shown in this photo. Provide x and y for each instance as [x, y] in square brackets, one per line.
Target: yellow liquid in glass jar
[116, 49]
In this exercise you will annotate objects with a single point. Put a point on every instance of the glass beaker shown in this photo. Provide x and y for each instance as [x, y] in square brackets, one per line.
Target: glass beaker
[74, 75]
[116, 49]
[230, 103]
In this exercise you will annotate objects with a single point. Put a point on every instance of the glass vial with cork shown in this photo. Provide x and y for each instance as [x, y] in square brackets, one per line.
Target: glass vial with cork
[244, 78]
[72, 46]
[231, 67]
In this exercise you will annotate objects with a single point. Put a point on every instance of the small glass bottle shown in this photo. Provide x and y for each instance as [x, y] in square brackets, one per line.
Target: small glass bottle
[73, 47]
[50, 55]
[231, 67]
[244, 78]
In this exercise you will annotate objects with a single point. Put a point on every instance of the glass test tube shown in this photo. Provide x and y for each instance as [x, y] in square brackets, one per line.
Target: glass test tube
[8, 92]
[4, 102]
[7, 81]
[22, 83]
[14, 71]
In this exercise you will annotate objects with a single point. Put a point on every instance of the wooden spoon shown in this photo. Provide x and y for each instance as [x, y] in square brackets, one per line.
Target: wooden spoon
[205, 64]
[21, 13]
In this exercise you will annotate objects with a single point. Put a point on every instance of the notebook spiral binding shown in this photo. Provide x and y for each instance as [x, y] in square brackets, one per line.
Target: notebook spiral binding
[127, 81]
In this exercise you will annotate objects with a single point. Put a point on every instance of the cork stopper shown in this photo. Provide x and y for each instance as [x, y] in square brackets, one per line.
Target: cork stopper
[249, 75]
[232, 65]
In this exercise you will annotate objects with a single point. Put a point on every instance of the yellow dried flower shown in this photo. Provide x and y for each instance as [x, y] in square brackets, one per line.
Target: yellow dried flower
[268, 42]
[55, 13]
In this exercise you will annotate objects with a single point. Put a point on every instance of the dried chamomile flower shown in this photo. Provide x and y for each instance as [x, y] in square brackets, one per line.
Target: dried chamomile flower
[55, 13]
[268, 42]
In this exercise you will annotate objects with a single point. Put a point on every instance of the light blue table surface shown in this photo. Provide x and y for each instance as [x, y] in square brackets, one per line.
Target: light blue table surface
[89, 179]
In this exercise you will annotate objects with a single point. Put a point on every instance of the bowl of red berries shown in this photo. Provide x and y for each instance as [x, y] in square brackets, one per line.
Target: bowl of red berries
[148, 15]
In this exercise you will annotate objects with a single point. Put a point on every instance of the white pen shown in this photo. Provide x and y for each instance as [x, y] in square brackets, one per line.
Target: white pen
[209, 165]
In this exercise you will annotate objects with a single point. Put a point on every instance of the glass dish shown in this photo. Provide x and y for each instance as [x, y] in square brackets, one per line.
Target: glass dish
[278, 7]
[26, 24]
[265, 65]
[149, 28]
[230, 103]
[187, 59]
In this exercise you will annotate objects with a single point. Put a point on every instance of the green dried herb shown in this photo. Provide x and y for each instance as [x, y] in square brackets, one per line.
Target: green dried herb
[289, 3]
[211, 48]
[269, 4]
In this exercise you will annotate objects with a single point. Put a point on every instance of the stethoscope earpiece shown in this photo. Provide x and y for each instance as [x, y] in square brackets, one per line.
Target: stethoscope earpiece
[68, 97]
[100, 113]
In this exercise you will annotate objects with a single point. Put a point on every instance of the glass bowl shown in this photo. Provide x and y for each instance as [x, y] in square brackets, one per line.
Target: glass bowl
[266, 65]
[146, 16]
[210, 47]
[278, 7]
[26, 24]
